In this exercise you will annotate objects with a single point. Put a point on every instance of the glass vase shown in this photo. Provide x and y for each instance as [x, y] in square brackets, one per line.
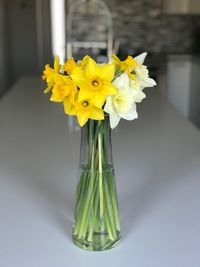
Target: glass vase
[96, 221]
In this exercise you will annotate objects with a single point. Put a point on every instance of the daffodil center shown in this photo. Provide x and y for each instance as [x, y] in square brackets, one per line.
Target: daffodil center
[95, 83]
[123, 103]
[119, 100]
[85, 103]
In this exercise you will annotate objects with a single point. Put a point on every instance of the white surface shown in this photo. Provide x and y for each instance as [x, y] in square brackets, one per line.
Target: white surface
[156, 161]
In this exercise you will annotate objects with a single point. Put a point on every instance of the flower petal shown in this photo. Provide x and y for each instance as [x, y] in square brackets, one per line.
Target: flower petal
[147, 82]
[122, 82]
[114, 120]
[115, 59]
[109, 108]
[78, 76]
[82, 119]
[68, 107]
[109, 89]
[57, 64]
[92, 69]
[96, 114]
[140, 59]
[107, 72]
[98, 100]
[138, 95]
[131, 115]
[48, 89]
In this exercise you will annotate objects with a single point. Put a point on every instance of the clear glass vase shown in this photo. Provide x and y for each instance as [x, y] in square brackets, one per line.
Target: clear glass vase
[96, 221]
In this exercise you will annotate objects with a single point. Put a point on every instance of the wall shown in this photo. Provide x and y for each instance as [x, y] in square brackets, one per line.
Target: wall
[22, 42]
[3, 38]
[141, 25]
[25, 39]
[44, 46]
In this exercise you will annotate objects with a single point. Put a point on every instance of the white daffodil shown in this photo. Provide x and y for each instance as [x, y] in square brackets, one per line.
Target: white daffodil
[137, 92]
[142, 79]
[122, 104]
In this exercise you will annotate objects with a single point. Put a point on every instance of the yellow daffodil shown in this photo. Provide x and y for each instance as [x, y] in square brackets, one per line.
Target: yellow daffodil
[94, 81]
[126, 65]
[88, 89]
[63, 87]
[69, 66]
[84, 110]
[49, 74]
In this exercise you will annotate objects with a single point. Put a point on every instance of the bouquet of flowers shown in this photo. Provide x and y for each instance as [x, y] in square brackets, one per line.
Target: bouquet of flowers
[99, 95]
[89, 90]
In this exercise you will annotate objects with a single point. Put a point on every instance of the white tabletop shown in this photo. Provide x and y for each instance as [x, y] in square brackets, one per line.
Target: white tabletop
[157, 166]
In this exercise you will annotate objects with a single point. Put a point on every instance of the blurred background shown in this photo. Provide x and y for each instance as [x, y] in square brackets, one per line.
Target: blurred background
[33, 31]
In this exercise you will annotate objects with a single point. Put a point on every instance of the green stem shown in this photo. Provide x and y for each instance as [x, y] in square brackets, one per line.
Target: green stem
[108, 204]
[81, 202]
[100, 173]
[85, 210]
[96, 217]
[114, 200]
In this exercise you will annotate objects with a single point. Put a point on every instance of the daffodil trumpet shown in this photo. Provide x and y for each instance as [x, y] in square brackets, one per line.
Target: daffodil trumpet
[99, 96]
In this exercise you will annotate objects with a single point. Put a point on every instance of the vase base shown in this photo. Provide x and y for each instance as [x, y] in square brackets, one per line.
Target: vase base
[99, 244]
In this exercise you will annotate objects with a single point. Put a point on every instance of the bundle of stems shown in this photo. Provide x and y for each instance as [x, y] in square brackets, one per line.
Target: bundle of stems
[96, 225]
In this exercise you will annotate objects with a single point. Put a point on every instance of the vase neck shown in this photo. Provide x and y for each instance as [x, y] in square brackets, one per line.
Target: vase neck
[96, 150]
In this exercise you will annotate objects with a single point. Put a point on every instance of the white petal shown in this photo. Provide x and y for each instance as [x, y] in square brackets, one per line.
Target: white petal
[140, 59]
[138, 95]
[114, 120]
[147, 82]
[109, 105]
[122, 82]
[131, 115]
[134, 84]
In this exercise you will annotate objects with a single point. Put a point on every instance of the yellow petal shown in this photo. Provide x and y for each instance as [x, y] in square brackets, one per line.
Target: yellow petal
[110, 89]
[68, 107]
[115, 58]
[69, 66]
[84, 61]
[107, 72]
[131, 62]
[96, 114]
[92, 69]
[48, 89]
[73, 96]
[98, 100]
[85, 94]
[61, 79]
[55, 98]
[57, 64]
[78, 76]
[82, 119]
[59, 93]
